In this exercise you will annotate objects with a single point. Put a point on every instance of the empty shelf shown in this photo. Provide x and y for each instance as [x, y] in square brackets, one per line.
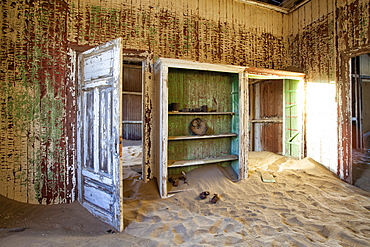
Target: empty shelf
[181, 163]
[174, 138]
[200, 113]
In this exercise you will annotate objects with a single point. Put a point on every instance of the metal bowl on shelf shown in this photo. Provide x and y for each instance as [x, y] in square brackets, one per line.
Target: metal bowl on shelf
[198, 126]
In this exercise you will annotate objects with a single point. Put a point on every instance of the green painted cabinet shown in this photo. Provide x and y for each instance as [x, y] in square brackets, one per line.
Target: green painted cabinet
[202, 118]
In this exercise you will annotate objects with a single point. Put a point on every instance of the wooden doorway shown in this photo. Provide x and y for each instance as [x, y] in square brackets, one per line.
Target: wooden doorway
[132, 98]
[266, 114]
[276, 111]
[360, 98]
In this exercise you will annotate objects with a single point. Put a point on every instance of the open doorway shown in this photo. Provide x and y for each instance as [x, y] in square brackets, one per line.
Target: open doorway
[360, 95]
[110, 106]
[276, 115]
[266, 115]
[132, 115]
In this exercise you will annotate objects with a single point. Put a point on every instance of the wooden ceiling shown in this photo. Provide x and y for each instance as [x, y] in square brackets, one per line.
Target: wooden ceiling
[282, 3]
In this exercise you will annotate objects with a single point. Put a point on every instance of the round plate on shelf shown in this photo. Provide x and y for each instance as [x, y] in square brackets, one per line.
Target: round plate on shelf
[198, 127]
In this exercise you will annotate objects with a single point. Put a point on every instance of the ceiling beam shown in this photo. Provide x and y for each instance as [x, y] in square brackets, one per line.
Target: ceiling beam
[286, 7]
[266, 5]
[288, 3]
[298, 5]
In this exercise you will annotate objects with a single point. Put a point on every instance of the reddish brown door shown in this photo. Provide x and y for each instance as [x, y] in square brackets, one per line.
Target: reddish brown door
[267, 115]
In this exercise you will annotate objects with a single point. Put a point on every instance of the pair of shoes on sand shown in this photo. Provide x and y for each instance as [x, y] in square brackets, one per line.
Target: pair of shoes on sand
[204, 195]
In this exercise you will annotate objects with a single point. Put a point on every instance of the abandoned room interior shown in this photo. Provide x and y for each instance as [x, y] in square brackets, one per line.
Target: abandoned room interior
[83, 83]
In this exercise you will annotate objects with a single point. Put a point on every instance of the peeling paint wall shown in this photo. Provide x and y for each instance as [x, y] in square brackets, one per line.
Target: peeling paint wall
[322, 37]
[38, 38]
[34, 103]
[38, 97]
[311, 50]
[311, 40]
[225, 31]
[352, 39]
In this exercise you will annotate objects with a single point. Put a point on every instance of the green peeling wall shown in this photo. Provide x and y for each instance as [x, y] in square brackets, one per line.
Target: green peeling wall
[33, 128]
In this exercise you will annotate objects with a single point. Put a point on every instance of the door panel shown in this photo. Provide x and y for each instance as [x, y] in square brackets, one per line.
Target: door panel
[267, 115]
[99, 131]
[133, 102]
[293, 121]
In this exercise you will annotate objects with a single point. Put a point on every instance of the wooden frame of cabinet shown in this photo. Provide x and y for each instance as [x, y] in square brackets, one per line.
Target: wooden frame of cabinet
[224, 90]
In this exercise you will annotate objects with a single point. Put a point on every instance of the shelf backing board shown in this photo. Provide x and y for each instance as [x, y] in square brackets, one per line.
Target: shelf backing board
[216, 124]
[192, 89]
[191, 84]
[204, 88]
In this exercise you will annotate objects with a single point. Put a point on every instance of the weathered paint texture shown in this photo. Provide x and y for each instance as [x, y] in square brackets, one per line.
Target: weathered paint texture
[227, 31]
[34, 102]
[38, 92]
[312, 48]
[38, 107]
[352, 39]
[323, 35]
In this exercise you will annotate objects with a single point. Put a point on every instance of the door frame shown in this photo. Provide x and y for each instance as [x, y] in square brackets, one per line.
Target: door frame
[145, 58]
[260, 73]
[256, 121]
[345, 159]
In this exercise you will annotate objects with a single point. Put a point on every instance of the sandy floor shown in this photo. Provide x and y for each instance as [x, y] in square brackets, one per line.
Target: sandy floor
[361, 169]
[305, 206]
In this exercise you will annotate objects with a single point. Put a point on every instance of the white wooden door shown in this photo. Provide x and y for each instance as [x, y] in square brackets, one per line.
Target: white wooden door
[99, 131]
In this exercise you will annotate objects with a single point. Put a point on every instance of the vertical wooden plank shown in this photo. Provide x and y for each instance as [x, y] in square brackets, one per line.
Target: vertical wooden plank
[331, 6]
[215, 38]
[295, 18]
[23, 159]
[315, 10]
[71, 112]
[307, 13]
[149, 106]
[202, 30]
[3, 139]
[17, 167]
[291, 24]
[243, 125]
[239, 24]
[323, 9]
[163, 99]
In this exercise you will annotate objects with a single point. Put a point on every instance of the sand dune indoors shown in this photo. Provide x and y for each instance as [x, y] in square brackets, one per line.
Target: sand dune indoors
[302, 205]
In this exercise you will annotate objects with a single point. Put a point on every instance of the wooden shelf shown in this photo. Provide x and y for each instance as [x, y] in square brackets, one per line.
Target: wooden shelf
[175, 138]
[132, 93]
[132, 122]
[200, 113]
[267, 120]
[181, 163]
